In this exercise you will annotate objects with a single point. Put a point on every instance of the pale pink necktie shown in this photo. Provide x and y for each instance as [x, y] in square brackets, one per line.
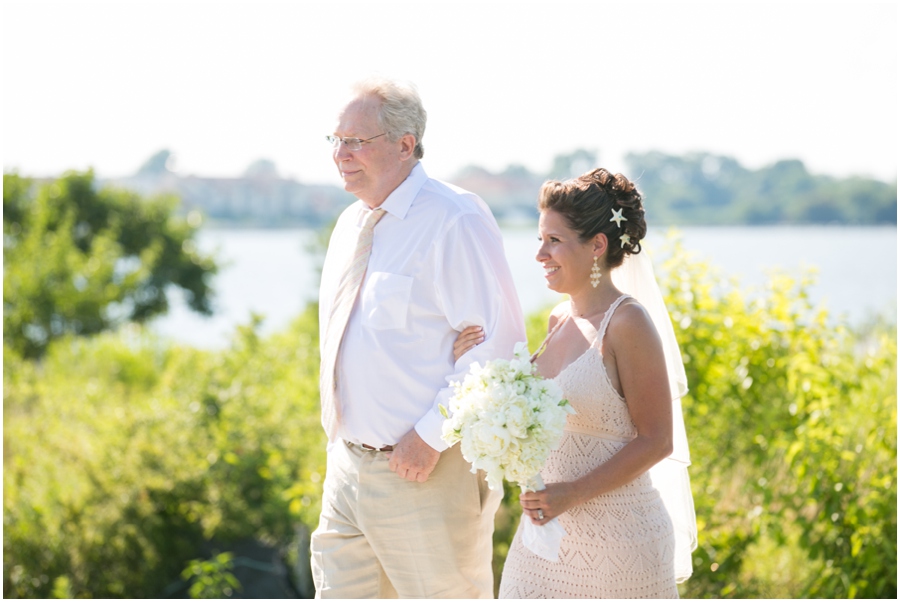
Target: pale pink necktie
[344, 298]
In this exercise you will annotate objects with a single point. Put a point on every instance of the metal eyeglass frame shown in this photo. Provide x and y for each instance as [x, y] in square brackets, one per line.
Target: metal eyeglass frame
[352, 144]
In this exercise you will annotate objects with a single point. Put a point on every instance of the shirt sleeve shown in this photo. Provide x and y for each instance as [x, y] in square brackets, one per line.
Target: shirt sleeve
[474, 285]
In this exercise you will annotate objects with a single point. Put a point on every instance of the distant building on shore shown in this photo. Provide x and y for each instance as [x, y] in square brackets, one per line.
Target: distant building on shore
[262, 198]
[259, 198]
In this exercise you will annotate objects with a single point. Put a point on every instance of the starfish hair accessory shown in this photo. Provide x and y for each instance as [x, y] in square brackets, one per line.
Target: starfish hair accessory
[618, 217]
[625, 238]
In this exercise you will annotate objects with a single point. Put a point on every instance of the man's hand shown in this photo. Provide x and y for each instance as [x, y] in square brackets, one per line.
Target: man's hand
[412, 458]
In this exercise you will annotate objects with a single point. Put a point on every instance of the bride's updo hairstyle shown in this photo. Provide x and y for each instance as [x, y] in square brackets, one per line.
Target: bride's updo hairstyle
[587, 203]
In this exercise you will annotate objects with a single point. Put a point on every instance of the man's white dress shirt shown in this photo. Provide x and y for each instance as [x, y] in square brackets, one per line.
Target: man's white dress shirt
[437, 266]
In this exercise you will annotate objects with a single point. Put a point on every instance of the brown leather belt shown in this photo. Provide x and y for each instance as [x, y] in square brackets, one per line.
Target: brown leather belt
[366, 447]
[386, 448]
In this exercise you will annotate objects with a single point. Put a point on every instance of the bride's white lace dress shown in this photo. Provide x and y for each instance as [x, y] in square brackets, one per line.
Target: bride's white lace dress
[619, 544]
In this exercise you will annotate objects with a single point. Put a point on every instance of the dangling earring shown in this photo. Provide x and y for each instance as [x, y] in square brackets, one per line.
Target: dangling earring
[595, 274]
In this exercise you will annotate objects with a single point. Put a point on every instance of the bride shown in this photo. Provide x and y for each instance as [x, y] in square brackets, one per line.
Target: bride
[629, 533]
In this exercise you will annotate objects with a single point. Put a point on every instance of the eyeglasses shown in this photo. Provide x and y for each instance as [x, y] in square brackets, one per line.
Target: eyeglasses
[352, 144]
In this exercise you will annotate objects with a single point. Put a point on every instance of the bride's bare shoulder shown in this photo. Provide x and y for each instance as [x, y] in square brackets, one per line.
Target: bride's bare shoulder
[631, 322]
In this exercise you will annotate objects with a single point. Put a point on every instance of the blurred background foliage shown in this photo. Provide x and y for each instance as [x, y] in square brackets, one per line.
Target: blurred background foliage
[131, 464]
[707, 189]
[123, 456]
[792, 421]
[704, 189]
[81, 259]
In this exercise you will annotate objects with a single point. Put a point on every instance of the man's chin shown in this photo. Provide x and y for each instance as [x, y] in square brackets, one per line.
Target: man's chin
[356, 190]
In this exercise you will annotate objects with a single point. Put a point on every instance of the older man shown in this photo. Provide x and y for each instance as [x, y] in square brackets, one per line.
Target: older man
[409, 265]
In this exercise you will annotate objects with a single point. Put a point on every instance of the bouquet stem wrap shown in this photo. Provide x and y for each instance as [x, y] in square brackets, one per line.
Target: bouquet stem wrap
[543, 540]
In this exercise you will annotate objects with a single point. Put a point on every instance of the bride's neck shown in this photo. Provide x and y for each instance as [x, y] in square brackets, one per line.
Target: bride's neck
[592, 302]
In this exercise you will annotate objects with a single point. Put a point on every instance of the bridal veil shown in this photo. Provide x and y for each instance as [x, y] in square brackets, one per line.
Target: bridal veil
[635, 276]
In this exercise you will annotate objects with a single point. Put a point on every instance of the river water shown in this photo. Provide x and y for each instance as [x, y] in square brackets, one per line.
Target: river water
[274, 272]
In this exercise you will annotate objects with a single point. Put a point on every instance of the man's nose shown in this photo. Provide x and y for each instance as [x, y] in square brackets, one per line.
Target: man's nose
[341, 152]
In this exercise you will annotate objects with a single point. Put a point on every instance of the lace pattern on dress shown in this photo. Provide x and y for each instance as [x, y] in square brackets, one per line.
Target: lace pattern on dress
[619, 544]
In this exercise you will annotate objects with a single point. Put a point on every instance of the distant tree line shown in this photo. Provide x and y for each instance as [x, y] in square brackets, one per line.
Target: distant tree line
[702, 188]
[705, 189]
[692, 189]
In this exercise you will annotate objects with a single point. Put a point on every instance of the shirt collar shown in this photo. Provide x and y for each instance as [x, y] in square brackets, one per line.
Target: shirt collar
[399, 201]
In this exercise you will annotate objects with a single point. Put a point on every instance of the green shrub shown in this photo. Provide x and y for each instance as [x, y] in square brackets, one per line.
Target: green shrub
[212, 578]
[123, 455]
[792, 423]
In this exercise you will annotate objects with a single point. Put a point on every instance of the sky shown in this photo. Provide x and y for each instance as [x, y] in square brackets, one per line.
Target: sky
[222, 84]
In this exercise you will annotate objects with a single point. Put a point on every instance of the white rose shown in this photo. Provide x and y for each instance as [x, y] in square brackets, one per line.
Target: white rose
[491, 440]
[518, 419]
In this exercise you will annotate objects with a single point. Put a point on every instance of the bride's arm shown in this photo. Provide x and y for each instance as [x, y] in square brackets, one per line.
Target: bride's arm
[635, 345]
[467, 339]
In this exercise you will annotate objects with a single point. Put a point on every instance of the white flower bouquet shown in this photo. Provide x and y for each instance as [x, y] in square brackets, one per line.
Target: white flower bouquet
[506, 420]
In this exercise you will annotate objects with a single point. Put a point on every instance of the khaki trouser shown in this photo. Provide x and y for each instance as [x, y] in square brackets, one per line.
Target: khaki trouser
[381, 536]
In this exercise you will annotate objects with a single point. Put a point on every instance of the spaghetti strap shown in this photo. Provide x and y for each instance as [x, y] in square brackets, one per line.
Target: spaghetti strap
[547, 338]
[601, 332]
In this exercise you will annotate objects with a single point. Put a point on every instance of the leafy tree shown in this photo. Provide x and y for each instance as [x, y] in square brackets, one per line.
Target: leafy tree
[261, 169]
[158, 164]
[694, 188]
[572, 164]
[81, 260]
[702, 188]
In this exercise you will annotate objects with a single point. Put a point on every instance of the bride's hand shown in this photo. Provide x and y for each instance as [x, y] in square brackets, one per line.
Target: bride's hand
[549, 503]
[468, 338]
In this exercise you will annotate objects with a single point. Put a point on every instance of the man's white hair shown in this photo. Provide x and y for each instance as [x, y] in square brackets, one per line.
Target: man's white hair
[401, 109]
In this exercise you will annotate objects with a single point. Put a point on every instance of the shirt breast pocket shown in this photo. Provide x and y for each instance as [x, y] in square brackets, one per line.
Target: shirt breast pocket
[385, 300]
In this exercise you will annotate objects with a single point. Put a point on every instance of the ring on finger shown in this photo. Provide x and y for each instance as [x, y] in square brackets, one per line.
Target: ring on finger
[540, 514]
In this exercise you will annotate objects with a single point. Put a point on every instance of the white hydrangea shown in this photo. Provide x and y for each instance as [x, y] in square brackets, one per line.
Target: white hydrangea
[506, 418]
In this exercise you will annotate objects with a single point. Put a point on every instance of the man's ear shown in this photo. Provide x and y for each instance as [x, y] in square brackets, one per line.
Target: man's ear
[407, 146]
